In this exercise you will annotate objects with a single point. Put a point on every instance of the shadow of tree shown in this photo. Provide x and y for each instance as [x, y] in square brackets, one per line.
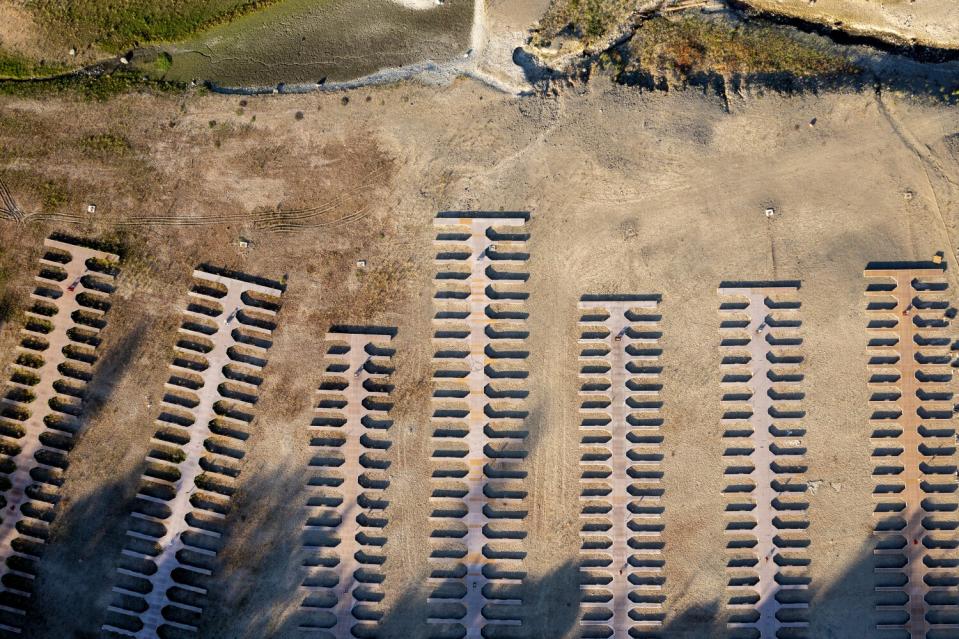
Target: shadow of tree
[83, 529]
[247, 607]
[254, 588]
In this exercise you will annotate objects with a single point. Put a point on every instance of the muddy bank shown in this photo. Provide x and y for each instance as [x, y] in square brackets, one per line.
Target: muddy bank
[302, 41]
[728, 47]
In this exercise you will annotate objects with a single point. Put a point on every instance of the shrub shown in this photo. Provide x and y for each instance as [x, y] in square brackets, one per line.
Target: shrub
[56, 275]
[38, 325]
[588, 20]
[30, 360]
[100, 265]
[8, 449]
[46, 310]
[13, 65]
[15, 412]
[83, 337]
[695, 45]
[21, 395]
[58, 422]
[34, 343]
[72, 351]
[90, 300]
[25, 378]
[52, 195]
[105, 144]
[8, 306]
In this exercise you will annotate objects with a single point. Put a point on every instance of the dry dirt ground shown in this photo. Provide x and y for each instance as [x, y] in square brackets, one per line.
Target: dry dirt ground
[629, 192]
[928, 22]
[20, 32]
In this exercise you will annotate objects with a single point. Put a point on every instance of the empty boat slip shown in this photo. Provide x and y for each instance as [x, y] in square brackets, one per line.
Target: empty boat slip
[344, 534]
[479, 411]
[911, 386]
[763, 430]
[42, 407]
[175, 529]
[621, 466]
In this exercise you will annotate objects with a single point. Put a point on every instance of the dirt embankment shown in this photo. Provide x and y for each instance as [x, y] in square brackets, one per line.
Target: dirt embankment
[930, 23]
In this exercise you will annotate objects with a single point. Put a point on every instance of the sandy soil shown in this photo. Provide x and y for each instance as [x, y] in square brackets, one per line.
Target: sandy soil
[629, 192]
[928, 22]
[417, 4]
[499, 27]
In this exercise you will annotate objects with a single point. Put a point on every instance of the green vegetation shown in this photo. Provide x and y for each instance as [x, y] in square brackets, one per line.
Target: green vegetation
[117, 242]
[105, 144]
[116, 25]
[56, 422]
[21, 395]
[39, 325]
[52, 195]
[8, 302]
[101, 265]
[34, 343]
[693, 45]
[41, 308]
[25, 378]
[15, 413]
[13, 65]
[591, 21]
[163, 63]
[89, 87]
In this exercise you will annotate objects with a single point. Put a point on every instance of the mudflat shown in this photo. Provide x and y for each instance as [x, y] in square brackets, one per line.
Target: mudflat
[304, 41]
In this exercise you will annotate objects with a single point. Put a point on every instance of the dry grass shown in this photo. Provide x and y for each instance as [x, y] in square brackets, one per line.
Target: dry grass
[383, 286]
[118, 24]
[692, 45]
[15, 65]
[590, 21]
[106, 144]
[60, 169]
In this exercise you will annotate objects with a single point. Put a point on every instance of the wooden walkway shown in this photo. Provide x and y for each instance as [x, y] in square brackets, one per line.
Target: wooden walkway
[344, 532]
[479, 412]
[911, 386]
[763, 427]
[621, 516]
[42, 408]
[175, 530]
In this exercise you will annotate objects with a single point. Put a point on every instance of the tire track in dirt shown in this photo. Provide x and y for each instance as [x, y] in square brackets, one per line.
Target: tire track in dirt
[278, 220]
